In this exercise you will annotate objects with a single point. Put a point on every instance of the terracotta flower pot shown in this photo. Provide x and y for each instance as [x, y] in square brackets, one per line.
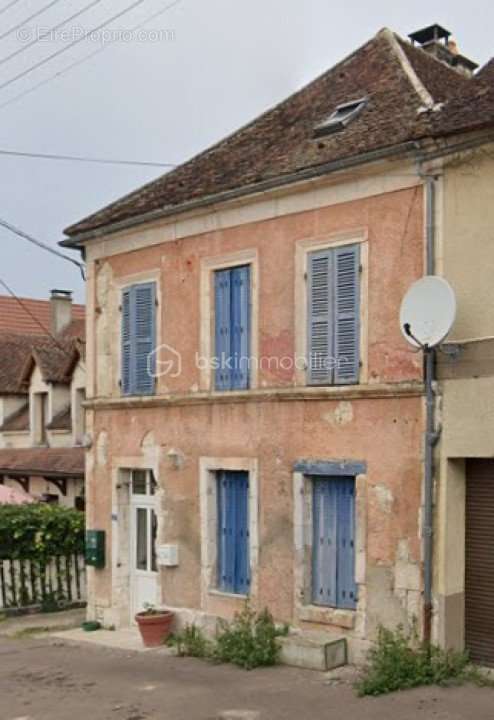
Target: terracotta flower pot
[154, 627]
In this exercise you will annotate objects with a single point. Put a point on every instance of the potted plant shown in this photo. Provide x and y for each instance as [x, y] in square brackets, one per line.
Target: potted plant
[154, 625]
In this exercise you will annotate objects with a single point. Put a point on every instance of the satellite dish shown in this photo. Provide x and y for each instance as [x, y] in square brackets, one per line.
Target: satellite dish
[428, 311]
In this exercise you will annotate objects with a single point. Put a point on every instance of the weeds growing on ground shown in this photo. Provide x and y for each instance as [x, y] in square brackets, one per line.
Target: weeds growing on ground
[399, 662]
[191, 642]
[249, 641]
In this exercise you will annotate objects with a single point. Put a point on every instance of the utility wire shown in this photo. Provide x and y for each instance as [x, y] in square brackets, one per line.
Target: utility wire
[44, 246]
[27, 20]
[33, 317]
[49, 32]
[75, 64]
[79, 158]
[72, 44]
[8, 6]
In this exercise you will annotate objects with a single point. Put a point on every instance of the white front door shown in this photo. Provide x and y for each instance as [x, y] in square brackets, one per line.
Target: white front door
[143, 524]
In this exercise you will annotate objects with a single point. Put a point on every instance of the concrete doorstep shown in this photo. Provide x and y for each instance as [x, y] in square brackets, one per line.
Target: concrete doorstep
[124, 639]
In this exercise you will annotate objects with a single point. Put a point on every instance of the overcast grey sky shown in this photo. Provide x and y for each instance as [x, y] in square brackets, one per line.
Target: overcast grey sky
[219, 63]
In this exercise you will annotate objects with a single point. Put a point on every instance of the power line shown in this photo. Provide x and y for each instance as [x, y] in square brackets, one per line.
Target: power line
[49, 32]
[79, 158]
[28, 19]
[72, 44]
[33, 317]
[75, 64]
[8, 6]
[42, 245]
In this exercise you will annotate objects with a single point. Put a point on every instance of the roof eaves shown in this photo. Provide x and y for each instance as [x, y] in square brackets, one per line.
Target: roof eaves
[280, 181]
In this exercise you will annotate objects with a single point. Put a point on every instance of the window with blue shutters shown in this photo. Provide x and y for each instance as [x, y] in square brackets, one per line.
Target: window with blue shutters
[333, 545]
[138, 339]
[334, 316]
[232, 328]
[233, 532]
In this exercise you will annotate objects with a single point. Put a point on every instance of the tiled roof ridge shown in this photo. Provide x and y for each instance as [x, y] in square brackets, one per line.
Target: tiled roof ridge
[410, 72]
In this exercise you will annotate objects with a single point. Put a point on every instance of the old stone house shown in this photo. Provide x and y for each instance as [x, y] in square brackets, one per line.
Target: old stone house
[257, 418]
[42, 390]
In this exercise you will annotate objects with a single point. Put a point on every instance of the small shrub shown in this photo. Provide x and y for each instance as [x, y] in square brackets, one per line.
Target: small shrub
[191, 642]
[39, 532]
[399, 662]
[250, 641]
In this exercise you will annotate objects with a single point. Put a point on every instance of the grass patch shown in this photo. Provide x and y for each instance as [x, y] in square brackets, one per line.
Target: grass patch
[249, 641]
[399, 662]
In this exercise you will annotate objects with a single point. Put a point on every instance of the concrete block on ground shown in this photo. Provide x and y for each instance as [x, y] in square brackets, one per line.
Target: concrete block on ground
[314, 651]
[239, 715]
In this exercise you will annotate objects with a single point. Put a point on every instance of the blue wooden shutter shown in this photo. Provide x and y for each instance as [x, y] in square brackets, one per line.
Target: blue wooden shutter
[226, 518]
[126, 352]
[233, 532]
[320, 318]
[333, 549]
[240, 325]
[347, 314]
[324, 591]
[346, 587]
[242, 562]
[223, 371]
[144, 337]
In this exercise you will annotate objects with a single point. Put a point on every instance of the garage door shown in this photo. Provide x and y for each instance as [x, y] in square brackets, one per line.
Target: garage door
[479, 572]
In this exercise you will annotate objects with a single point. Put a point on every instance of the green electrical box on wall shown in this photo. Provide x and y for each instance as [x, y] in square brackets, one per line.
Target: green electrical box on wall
[95, 548]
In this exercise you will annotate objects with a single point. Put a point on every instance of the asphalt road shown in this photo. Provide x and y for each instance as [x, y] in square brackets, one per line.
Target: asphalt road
[48, 679]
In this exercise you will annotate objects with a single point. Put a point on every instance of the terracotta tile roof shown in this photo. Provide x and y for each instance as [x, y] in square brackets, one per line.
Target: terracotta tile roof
[395, 77]
[440, 80]
[17, 319]
[17, 421]
[486, 73]
[76, 329]
[61, 421]
[472, 109]
[18, 353]
[22, 342]
[55, 360]
[14, 352]
[54, 462]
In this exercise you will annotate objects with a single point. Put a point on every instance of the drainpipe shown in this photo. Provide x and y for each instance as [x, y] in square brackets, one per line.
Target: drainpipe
[431, 437]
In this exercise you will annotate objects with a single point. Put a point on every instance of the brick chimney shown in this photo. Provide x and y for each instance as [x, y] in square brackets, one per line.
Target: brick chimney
[60, 310]
[436, 41]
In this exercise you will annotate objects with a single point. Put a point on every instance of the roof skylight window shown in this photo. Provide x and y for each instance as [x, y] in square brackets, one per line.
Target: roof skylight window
[340, 118]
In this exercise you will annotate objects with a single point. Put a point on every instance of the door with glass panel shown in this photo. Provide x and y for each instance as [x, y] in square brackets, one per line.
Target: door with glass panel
[143, 526]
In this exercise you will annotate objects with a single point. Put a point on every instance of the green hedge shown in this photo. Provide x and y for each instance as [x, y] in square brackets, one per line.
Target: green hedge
[39, 532]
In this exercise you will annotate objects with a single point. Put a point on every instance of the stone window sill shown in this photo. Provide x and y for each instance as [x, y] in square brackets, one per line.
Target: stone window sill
[234, 596]
[327, 616]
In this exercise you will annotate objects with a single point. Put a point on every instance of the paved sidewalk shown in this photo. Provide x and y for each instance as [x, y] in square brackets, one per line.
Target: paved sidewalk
[41, 622]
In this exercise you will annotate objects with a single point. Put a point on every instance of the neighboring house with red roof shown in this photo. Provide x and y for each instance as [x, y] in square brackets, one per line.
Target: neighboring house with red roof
[42, 388]
[254, 409]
